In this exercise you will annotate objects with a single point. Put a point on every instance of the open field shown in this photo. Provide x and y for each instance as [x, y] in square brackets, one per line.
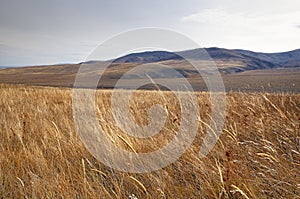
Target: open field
[41, 155]
[271, 80]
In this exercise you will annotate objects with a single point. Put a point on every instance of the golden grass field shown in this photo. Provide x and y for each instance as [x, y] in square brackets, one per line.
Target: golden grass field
[42, 156]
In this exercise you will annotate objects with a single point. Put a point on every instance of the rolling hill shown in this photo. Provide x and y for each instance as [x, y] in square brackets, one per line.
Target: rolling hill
[240, 69]
[285, 59]
[239, 60]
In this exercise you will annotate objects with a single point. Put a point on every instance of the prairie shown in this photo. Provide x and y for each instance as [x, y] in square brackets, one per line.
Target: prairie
[42, 156]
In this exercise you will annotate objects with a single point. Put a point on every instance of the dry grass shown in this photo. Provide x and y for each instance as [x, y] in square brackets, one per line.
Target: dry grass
[271, 80]
[41, 155]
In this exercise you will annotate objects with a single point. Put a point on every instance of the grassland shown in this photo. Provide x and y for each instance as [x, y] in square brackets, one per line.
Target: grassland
[42, 156]
[268, 80]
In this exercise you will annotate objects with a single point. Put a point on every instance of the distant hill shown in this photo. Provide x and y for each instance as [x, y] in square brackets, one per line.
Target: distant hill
[285, 59]
[240, 60]
[5, 67]
[240, 69]
[148, 57]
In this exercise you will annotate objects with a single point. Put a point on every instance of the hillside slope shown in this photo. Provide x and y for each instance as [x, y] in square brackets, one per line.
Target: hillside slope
[275, 72]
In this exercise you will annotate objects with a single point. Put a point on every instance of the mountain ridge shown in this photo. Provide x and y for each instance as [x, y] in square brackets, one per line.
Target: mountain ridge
[240, 70]
[252, 60]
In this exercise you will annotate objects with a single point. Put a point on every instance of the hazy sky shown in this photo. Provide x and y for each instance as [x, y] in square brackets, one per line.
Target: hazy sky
[48, 32]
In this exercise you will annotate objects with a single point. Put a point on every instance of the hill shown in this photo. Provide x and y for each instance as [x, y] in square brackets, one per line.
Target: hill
[241, 70]
[240, 60]
[285, 59]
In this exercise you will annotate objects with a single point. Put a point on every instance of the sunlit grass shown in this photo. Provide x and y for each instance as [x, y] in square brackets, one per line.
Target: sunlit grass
[41, 155]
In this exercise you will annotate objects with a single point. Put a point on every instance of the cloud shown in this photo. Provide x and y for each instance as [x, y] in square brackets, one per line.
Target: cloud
[236, 20]
[251, 29]
[214, 15]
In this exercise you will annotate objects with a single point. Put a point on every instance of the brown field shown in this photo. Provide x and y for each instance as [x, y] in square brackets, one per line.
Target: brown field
[268, 80]
[42, 156]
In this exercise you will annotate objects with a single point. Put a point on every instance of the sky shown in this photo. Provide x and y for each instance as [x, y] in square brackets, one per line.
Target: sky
[34, 32]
